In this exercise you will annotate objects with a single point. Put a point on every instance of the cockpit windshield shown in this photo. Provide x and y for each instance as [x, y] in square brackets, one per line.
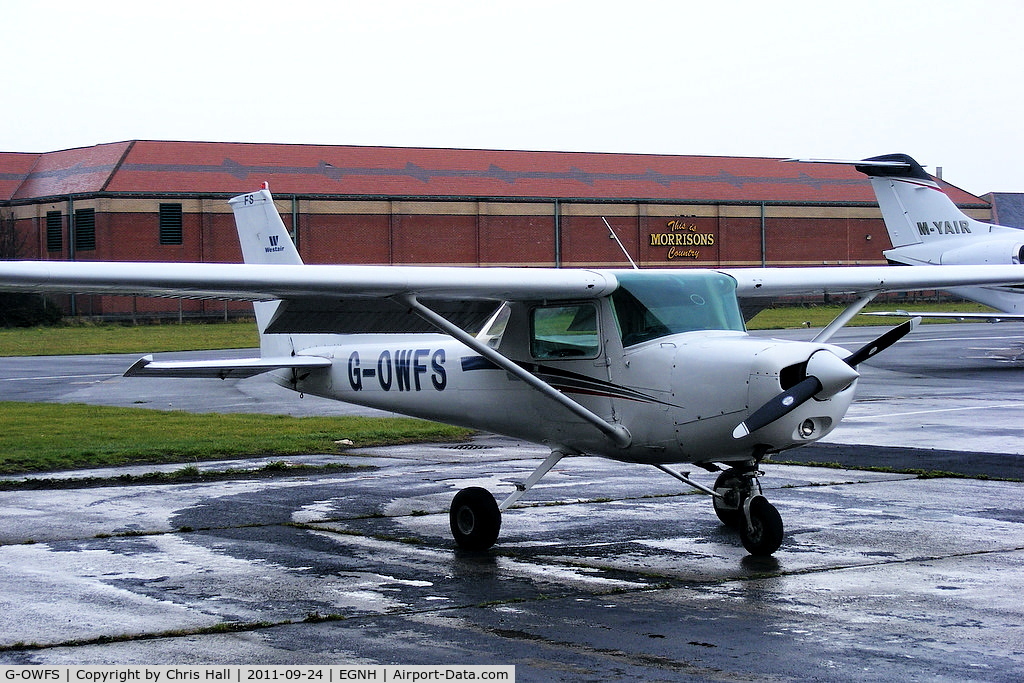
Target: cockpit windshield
[653, 304]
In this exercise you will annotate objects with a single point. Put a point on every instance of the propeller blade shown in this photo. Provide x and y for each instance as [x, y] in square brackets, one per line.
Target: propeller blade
[779, 406]
[882, 343]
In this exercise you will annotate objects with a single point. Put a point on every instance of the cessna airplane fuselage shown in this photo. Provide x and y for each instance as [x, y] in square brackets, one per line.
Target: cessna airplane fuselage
[647, 366]
[655, 389]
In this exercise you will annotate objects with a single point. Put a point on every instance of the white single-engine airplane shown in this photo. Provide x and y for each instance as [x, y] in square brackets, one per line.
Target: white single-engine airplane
[642, 366]
[927, 228]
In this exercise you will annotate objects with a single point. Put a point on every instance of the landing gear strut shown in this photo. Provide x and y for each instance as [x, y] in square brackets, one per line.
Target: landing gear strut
[475, 516]
[762, 532]
[732, 488]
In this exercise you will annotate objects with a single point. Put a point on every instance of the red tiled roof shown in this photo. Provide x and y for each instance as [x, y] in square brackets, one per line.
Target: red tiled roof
[72, 171]
[151, 167]
[14, 170]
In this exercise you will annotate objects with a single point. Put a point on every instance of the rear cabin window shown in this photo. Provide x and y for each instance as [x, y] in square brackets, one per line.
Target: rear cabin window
[564, 331]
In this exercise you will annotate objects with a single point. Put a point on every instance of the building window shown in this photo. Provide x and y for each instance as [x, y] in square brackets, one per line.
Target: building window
[85, 230]
[54, 231]
[170, 224]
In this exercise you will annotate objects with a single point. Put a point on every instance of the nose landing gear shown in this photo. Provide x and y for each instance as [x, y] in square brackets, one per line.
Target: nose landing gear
[750, 513]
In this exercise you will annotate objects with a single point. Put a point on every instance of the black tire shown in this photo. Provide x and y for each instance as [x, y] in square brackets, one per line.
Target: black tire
[475, 518]
[765, 536]
[736, 488]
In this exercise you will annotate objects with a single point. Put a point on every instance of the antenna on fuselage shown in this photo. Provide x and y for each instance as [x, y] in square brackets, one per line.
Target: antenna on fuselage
[619, 242]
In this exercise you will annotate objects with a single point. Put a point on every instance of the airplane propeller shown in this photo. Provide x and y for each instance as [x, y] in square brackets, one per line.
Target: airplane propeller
[826, 375]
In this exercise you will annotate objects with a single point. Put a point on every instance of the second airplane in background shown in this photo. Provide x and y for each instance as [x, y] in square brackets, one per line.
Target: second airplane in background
[927, 228]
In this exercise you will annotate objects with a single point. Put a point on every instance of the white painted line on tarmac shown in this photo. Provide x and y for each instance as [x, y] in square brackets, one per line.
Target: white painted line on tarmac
[850, 418]
[34, 379]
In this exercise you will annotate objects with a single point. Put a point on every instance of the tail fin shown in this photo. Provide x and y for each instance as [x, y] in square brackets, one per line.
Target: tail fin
[264, 240]
[261, 233]
[915, 209]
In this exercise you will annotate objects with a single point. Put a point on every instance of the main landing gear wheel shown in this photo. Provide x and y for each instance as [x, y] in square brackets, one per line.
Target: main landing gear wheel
[762, 532]
[475, 518]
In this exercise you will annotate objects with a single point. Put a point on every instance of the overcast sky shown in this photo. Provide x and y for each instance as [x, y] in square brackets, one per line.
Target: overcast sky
[936, 79]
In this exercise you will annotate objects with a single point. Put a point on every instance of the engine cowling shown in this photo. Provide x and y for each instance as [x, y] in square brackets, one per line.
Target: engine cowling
[994, 253]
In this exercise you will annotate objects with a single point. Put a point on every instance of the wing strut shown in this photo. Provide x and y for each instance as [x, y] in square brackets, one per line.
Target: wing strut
[617, 433]
[845, 317]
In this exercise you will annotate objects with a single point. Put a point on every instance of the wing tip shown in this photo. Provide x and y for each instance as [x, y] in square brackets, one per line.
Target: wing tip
[139, 366]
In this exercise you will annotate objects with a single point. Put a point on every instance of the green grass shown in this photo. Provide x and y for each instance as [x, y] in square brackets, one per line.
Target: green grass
[88, 338]
[39, 437]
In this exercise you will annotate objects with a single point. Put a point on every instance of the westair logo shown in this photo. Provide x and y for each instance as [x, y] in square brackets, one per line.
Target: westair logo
[944, 227]
[273, 245]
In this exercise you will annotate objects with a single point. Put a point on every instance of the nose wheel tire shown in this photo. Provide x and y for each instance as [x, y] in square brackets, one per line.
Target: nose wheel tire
[475, 519]
[761, 533]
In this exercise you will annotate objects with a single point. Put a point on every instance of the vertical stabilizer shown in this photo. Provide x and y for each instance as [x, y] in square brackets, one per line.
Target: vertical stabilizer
[261, 232]
[914, 207]
[264, 240]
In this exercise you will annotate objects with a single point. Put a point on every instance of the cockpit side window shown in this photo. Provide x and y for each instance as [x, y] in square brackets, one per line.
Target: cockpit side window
[564, 331]
[652, 305]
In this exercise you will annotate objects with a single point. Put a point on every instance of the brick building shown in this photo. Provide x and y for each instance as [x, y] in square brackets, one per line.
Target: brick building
[166, 201]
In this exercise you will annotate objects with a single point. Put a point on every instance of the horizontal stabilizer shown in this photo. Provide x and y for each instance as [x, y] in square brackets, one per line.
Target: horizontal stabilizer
[222, 368]
[853, 162]
[885, 166]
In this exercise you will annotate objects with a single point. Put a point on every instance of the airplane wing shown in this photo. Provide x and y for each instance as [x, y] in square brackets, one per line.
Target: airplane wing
[261, 282]
[319, 298]
[376, 299]
[337, 290]
[761, 282]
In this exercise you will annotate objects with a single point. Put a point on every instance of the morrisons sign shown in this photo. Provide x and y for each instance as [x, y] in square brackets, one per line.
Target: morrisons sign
[683, 240]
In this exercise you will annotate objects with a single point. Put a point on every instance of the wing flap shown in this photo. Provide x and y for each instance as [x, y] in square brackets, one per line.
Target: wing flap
[237, 368]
